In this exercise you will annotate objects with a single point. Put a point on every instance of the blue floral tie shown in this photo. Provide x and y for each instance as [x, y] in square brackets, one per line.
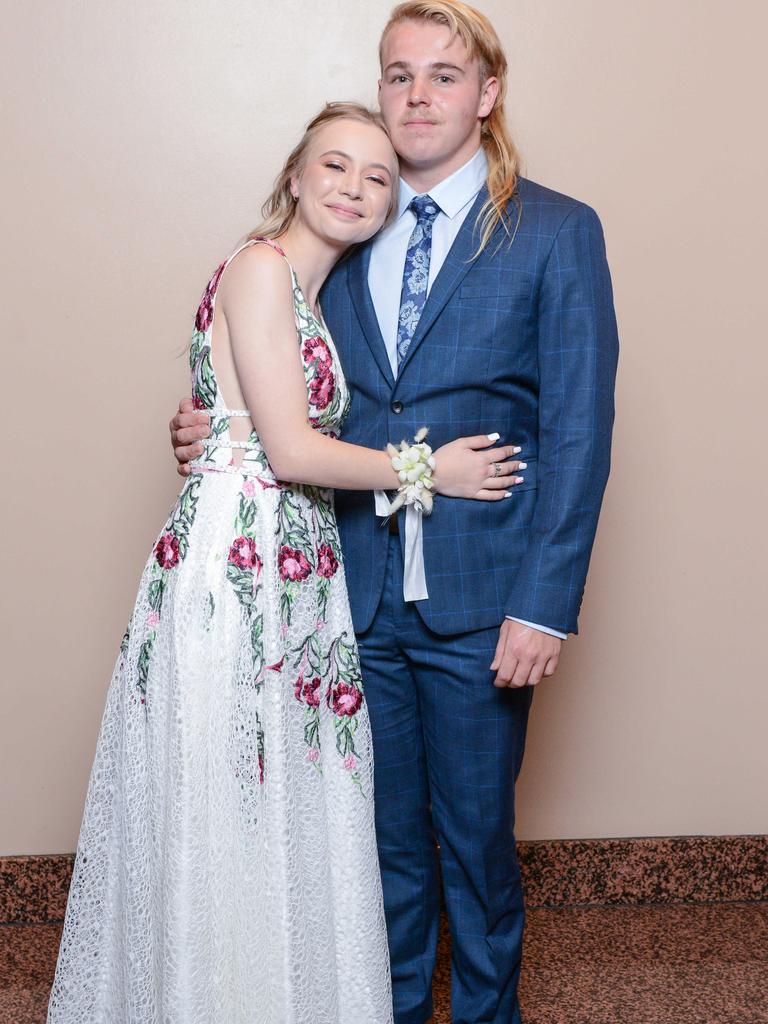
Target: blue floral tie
[415, 272]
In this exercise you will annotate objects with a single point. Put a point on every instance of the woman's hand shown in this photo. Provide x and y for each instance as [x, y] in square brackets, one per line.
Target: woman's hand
[467, 468]
[188, 427]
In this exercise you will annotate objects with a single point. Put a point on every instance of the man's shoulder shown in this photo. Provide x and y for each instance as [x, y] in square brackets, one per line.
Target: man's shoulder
[547, 205]
[337, 281]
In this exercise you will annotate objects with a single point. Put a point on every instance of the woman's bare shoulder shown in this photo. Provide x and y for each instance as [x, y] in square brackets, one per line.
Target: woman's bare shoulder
[257, 268]
[257, 276]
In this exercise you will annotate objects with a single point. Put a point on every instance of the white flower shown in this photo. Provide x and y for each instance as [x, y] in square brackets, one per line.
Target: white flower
[413, 464]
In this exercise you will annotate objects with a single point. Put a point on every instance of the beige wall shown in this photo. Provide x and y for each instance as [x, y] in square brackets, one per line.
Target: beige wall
[138, 144]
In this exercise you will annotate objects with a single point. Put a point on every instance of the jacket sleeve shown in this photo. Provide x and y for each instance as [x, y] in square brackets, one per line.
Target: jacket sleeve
[578, 353]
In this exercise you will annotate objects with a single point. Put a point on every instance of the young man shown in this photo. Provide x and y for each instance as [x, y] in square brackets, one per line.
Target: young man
[486, 306]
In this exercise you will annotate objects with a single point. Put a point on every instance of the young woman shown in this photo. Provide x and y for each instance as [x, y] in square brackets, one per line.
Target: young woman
[227, 870]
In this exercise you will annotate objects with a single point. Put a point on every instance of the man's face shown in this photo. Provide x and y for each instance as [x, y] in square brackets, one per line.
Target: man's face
[432, 98]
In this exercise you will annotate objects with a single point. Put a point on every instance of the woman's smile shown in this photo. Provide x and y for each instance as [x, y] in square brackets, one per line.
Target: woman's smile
[345, 212]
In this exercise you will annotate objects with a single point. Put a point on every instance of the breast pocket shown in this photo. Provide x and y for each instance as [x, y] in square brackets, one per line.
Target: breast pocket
[508, 292]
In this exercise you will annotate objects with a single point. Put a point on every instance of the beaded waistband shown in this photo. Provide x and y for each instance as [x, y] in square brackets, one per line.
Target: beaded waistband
[225, 412]
[242, 470]
[210, 442]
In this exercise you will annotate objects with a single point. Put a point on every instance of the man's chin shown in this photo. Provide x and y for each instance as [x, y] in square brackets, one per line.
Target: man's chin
[414, 155]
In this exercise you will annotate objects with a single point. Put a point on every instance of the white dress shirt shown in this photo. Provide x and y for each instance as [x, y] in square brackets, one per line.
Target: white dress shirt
[455, 196]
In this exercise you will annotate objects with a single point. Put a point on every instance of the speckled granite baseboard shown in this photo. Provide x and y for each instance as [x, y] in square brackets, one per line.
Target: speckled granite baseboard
[33, 890]
[556, 873]
[623, 872]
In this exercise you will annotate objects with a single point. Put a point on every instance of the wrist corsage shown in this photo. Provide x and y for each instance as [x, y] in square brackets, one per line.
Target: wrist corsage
[414, 464]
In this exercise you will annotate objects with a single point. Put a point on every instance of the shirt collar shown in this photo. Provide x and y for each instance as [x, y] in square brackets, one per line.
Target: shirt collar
[453, 193]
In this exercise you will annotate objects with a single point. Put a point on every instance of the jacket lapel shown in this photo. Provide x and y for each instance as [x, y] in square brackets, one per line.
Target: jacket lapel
[357, 279]
[452, 272]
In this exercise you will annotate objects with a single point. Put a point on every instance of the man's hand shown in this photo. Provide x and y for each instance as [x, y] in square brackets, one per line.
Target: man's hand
[188, 427]
[524, 655]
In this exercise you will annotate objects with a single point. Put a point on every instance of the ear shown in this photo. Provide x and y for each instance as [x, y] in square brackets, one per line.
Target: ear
[488, 94]
[378, 91]
[295, 186]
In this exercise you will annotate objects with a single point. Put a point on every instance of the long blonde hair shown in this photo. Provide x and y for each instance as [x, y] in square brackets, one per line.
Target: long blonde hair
[280, 208]
[481, 41]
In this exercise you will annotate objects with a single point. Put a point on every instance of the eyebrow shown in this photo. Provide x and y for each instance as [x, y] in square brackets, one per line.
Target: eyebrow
[339, 152]
[436, 66]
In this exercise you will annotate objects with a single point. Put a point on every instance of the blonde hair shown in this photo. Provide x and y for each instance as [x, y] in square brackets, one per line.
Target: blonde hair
[481, 41]
[280, 208]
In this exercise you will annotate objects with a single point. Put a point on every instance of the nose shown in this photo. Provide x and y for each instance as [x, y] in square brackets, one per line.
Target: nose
[418, 94]
[352, 187]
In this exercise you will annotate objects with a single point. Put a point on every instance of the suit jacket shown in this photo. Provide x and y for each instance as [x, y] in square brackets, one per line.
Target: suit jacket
[521, 340]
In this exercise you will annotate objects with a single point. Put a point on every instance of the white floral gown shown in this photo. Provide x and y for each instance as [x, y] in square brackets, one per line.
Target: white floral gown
[226, 871]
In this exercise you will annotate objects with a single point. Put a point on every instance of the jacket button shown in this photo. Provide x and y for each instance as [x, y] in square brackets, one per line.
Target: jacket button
[397, 407]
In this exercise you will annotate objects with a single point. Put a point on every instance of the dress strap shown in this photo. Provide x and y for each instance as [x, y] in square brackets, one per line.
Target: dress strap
[271, 243]
[246, 244]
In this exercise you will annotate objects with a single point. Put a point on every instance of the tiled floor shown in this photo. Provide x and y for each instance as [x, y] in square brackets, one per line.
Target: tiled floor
[691, 964]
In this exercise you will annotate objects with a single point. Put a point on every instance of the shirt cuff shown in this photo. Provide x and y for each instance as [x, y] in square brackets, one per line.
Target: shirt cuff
[543, 629]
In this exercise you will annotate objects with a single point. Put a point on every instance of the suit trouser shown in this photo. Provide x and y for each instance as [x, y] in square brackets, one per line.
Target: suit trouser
[447, 747]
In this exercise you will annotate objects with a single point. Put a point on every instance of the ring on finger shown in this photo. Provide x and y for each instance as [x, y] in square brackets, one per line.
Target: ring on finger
[497, 469]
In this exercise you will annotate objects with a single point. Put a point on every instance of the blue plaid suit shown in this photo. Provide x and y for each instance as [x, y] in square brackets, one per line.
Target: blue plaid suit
[521, 340]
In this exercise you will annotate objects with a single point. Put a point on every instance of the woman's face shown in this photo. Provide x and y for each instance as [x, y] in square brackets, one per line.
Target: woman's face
[347, 184]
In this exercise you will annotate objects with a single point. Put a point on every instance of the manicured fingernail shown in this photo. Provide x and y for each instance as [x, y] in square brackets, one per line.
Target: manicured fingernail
[523, 465]
[494, 437]
[516, 450]
[507, 494]
[519, 479]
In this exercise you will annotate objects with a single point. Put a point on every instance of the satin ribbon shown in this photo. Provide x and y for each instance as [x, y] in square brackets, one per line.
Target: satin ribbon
[414, 578]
